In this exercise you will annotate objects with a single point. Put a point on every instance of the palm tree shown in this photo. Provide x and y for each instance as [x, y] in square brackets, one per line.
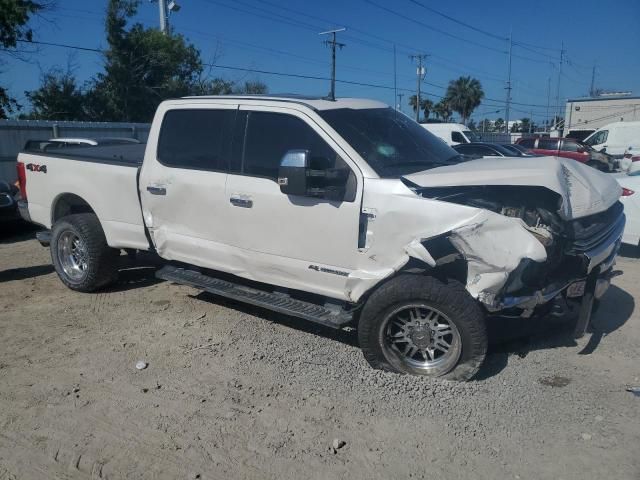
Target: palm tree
[442, 110]
[426, 105]
[464, 96]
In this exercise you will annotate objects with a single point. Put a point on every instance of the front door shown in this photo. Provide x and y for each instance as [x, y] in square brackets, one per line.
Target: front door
[294, 241]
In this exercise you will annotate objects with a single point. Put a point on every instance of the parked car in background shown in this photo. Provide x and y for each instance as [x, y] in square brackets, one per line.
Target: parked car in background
[615, 138]
[525, 152]
[451, 133]
[486, 149]
[569, 148]
[8, 202]
[630, 183]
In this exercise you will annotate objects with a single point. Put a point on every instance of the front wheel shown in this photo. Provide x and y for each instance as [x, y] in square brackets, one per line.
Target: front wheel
[80, 254]
[422, 326]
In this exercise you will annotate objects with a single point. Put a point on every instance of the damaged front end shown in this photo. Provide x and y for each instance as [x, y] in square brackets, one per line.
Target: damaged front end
[568, 260]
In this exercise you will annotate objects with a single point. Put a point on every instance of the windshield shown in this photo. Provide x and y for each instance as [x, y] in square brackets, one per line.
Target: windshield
[390, 142]
[471, 136]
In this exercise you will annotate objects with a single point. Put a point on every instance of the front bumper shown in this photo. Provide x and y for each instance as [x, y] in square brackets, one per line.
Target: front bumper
[597, 256]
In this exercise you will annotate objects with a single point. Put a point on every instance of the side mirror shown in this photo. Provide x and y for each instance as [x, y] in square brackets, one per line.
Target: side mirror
[603, 150]
[292, 174]
[297, 176]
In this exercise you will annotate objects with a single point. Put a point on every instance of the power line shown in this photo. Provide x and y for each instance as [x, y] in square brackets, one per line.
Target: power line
[459, 22]
[430, 27]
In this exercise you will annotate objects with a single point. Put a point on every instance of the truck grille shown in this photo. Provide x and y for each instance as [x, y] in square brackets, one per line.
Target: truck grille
[590, 233]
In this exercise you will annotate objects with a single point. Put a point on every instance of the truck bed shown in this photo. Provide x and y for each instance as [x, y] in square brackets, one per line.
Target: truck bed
[104, 177]
[126, 154]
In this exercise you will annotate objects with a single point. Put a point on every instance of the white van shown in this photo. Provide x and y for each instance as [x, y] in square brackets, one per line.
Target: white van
[451, 133]
[616, 138]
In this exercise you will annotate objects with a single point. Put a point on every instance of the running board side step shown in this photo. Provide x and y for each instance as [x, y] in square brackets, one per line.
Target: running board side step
[330, 316]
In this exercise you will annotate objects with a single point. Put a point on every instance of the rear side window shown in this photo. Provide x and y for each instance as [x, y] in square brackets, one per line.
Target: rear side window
[527, 142]
[270, 135]
[196, 139]
[548, 144]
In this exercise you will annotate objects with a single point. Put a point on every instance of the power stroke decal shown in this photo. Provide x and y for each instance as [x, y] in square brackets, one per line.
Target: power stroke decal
[328, 270]
[32, 167]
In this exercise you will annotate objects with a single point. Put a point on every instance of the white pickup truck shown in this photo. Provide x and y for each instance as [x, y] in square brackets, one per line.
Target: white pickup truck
[341, 212]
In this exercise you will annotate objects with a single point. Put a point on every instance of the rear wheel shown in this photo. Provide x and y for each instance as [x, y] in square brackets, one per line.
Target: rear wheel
[422, 326]
[80, 254]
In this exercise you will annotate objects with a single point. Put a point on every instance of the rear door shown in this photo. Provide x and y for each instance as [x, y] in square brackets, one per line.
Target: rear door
[293, 241]
[182, 184]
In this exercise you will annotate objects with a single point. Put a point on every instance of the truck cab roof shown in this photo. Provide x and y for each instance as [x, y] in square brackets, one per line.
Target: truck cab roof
[315, 103]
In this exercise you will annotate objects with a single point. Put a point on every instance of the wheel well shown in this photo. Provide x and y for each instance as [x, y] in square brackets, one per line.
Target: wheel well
[453, 270]
[68, 204]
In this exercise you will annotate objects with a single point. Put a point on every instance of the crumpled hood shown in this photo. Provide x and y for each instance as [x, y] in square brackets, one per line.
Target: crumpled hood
[584, 190]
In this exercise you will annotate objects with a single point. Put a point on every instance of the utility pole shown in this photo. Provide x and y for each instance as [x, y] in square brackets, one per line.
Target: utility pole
[395, 75]
[530, 121]
[559, 110]
[421, 57]
[592, 90]
[399, 107]
[333, 44]
[508, 87]
[164, 19]
[548, 126]
[166, 7]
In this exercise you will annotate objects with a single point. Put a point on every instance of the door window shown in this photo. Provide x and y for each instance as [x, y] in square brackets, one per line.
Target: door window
[457, 137]
[270, 135]
[598, 138]
[527, 142]
[196, 139]
[548, 144]
[568, 146]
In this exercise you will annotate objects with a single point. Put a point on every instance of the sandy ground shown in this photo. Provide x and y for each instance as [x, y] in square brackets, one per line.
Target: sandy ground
[237, 392]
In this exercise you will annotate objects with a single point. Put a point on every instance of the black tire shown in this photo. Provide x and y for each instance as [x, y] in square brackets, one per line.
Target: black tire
[101, 260]
[450, 298]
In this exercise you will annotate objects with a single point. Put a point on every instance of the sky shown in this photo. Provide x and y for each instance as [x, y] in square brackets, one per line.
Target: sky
[465, 37]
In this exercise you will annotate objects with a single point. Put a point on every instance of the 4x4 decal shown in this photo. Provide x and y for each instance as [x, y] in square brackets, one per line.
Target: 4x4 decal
[32, 167]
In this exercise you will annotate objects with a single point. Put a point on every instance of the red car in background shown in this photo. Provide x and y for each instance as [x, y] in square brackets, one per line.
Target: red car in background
[568, 148]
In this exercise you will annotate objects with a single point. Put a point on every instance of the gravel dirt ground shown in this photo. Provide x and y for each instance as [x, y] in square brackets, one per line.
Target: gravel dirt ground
[232, 391]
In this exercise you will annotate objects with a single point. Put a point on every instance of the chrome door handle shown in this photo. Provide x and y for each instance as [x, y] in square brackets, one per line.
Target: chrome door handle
[241, 201]
[153, 190]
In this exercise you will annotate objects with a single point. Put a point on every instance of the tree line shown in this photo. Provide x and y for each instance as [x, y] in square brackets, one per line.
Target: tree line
[142, 67]
[463, 96]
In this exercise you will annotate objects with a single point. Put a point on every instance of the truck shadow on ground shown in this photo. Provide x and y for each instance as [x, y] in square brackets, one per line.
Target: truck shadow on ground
[18, 231]
[23, 273]
[516, 338]
[508, 338]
